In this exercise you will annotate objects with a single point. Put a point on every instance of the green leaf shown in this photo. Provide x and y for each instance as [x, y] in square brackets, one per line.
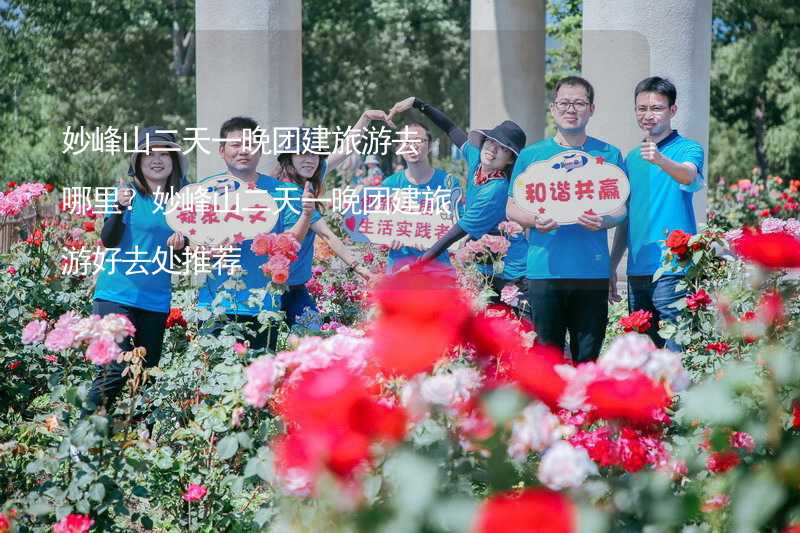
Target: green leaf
[710, 402]
[227, 447]
[414, 480]
[146, 522]
[97, 492]
[503, 405]
[755, 499]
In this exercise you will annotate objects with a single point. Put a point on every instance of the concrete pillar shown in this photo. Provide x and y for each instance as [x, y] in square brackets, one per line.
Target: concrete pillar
[249, 62]
[507, 53]
[625, 41]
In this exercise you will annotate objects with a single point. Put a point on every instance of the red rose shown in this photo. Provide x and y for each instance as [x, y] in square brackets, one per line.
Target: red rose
[175, 318]
[88, 226]
[698, 300]
[719, 462]
[678, 243]
[13, 365]
[40, 314]
[534, 371]
[634, 397]
[770, 250]
[529, 511]
[419, 307]
[720, 347]
[49, 187]
[638, 321]
[796, 415]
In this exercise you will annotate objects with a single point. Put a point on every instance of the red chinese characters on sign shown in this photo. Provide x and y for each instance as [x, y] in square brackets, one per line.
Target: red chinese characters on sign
[609, 189]
[571, 183]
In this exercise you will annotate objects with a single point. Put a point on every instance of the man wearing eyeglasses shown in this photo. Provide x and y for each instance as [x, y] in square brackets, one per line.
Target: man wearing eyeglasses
[664, 171]
[568, 266]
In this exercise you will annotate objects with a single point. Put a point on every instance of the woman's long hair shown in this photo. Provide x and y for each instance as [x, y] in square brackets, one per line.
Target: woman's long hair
[174, 183]
[287, 172]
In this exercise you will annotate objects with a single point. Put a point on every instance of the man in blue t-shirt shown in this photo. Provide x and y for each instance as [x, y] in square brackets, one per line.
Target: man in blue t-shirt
[665, 171]
[241, 161]
[568, 267]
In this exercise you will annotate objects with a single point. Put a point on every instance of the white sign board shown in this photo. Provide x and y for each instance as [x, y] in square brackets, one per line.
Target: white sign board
[570, 184]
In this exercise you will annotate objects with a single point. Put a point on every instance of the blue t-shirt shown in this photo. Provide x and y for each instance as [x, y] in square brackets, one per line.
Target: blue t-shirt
[408, 254]
[658, 204]
[254, 278]
[125, 282]
[485, 209]
[300, 269]
[570, 251]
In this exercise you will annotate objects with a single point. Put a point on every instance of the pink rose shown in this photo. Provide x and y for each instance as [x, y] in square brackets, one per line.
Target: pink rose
[34, 332]
[261, 375]
[194, 492]
[59, 339]
[102, 351]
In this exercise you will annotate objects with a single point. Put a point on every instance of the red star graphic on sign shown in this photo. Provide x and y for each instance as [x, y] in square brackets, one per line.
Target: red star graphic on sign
[192, 231]
[542, 210]
[590, 212]
[599, 160]
[238, 238]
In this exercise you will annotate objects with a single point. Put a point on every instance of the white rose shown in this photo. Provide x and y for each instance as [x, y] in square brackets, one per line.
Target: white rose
[564, 466]
[439, 390]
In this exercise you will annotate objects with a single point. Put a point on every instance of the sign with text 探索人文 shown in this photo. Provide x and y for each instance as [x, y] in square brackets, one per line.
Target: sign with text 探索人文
[570, 184]
[222, 210]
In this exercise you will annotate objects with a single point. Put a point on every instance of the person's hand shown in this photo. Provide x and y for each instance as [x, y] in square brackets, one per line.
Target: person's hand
[124, 193]
[176, 241]
[650, 151]
[308, 199]
[364, 273]
[395, 245]
[613, 293]
[401, 107]
[377, 114]
[545, 225]
[590, 221]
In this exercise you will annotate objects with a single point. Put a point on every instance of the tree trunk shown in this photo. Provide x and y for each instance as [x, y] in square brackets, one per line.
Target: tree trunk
[758, 127]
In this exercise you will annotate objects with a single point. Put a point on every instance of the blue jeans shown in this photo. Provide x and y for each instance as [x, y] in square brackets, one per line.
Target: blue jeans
[294, 303]
[657, 297]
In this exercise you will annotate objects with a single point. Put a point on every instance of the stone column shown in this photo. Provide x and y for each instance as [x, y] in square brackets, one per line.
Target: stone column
[249, 62]
[507, 64]
[625, 41]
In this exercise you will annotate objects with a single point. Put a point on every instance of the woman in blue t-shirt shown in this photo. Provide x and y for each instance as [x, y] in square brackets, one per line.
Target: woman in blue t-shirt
[135, 281]
[490, 156]
[303, 168]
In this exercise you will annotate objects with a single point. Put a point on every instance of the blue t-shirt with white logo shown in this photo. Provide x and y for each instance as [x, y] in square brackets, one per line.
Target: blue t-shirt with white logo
[131, 275]
[485, 209]
[658, 204]
[253, 278]
[409, 254]
[300, 269]
[570, 251]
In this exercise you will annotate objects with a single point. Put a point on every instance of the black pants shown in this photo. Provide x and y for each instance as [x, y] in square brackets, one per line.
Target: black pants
[259, 339]
[577, 306]
[150, 327]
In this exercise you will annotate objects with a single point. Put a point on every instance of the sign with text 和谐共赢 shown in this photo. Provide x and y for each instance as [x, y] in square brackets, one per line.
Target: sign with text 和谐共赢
[221, 210]
[570, 184]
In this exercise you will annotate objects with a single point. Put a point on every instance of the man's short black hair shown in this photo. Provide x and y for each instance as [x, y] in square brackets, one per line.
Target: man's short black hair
[237, 124]
[656, 84]
[573, 81]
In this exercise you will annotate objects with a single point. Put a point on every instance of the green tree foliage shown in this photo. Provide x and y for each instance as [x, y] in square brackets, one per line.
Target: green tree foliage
[755, 96]
[89, 63]
[360, 54]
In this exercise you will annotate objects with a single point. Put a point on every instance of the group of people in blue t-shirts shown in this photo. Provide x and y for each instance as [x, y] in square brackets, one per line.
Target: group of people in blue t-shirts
[566, 272]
